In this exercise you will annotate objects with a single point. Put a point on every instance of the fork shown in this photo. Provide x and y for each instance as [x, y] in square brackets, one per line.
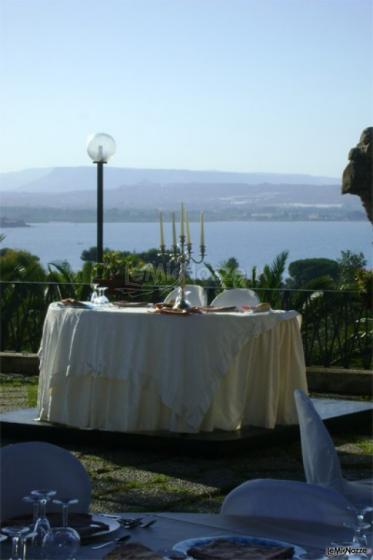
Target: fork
[114, 541]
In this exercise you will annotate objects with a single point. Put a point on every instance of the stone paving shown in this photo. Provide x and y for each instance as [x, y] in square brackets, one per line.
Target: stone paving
[129, 480]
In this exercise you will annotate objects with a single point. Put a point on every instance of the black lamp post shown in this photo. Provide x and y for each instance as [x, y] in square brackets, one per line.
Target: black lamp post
[100, 148]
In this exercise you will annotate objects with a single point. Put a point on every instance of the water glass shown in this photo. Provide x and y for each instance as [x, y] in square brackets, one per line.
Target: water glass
[42, 524]
[16, 533]
[101, 298]
[359, 538]
[61, 543]
[94, 293]
[35, 507]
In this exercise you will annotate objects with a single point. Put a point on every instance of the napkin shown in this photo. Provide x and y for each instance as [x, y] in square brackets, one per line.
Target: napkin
[132, 551]
[222, 549]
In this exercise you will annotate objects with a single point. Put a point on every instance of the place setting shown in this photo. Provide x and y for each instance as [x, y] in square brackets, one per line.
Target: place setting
[54, 535]
[72, 535]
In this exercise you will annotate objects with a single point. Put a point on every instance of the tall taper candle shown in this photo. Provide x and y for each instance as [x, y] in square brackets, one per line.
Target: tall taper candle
[174, 242]
[202, 228]
[187, 227]
[182, 219]
[161, 228]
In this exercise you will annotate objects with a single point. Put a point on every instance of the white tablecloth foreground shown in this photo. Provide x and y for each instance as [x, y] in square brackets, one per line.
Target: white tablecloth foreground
[132, 369]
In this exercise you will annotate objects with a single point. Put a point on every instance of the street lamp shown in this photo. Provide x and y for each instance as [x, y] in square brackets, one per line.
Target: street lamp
[100, 148]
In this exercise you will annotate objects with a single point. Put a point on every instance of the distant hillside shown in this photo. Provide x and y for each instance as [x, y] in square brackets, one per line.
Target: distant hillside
[196, 195]
[65, 179]
[138, 195]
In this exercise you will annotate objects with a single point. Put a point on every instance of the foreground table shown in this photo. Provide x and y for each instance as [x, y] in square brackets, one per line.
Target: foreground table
[133, 369]
[175, 527]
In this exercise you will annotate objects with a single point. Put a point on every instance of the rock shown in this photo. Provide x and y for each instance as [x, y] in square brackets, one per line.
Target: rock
[358, 175]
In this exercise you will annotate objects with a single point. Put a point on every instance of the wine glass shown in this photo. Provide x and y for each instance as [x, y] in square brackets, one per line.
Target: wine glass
[16, 533]
[94, 294]
[42, 524]
[35, 507]
[359, 539]
[101, 298]
[34, 500]
[61, 543]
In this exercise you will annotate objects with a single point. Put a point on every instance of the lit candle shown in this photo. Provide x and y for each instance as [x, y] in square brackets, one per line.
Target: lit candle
[187, 227]
[202, 228]
[182, 218]
[161, 228]
[173, 229]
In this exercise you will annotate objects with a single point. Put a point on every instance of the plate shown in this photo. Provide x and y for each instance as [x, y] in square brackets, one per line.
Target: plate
[130, 303]
[225, 309]
[183, 546]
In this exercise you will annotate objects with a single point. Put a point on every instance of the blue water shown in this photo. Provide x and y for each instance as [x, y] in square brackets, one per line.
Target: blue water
[252, 243]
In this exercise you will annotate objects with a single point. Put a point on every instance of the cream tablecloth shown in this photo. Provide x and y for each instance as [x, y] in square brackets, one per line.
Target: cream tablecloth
[132, 369]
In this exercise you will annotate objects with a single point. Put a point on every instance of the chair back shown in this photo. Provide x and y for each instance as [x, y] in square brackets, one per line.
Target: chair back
[236, 296]
[289, 499]
[196, 295]
[37, 465]
[320, 460]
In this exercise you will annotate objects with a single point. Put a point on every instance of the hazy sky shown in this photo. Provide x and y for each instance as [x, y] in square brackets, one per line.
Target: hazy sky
[238, 85]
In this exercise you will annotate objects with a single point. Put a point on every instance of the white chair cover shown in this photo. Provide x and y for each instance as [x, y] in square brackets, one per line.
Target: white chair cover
[289, 499]
[196, 295]
[236, 296]
[320, 460]
[37, 465]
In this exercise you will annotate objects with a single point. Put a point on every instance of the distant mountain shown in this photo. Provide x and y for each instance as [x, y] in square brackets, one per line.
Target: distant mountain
[197, 196]
[66, 179]
[18, 179]
[65, 193]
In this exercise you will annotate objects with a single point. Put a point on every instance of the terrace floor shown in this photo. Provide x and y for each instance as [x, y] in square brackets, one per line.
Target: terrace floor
[151, 479]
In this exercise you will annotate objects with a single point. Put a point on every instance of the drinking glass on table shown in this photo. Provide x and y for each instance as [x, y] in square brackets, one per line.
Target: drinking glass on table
[101, 298]
[61, 543]
[359, 539]
[16, 533]
[94, 294]
[34, 500]
[42, 524]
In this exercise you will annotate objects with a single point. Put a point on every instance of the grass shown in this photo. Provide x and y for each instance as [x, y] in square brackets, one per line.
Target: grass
[366, 447]
[32, 395]
[129, 480]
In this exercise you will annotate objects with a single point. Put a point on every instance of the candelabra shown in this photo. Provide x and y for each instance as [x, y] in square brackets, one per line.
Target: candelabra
[182, 255]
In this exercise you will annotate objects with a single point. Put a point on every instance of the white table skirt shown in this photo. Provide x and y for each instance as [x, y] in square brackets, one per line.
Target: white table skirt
[133, 370]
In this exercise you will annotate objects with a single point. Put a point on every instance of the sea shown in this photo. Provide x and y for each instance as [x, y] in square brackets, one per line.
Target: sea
[251, 243]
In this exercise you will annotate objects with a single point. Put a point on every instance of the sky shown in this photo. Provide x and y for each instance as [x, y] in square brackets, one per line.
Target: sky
[237, 85]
